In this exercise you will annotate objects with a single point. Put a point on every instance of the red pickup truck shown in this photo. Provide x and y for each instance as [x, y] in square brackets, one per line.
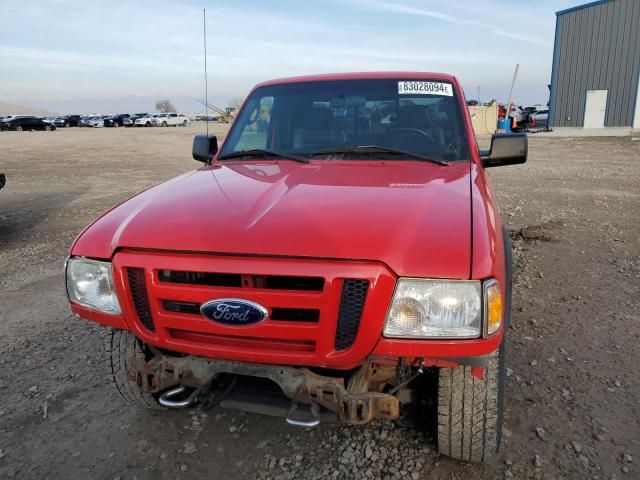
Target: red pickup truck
[337, 256]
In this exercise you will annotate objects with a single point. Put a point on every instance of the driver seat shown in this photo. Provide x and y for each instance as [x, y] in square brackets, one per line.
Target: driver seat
[414, 116]
[419, 117]
[318, 129]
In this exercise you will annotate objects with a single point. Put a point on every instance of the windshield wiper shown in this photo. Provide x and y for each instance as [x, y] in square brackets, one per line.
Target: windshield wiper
[261, 152]
[379, 149]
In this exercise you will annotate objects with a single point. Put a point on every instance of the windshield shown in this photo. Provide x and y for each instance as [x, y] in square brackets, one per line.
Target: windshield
[312, 119]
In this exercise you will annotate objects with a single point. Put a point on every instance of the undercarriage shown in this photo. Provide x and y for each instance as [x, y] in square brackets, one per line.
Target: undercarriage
[303, 396]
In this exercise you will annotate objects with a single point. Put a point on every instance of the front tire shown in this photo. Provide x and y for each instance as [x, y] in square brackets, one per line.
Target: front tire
[470, 410]
[121, 346]
[164, 124]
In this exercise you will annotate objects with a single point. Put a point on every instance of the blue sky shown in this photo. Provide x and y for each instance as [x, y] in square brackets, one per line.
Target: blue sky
[69, 50]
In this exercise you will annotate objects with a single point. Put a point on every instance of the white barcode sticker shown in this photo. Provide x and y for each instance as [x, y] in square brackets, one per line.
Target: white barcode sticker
[425, 88]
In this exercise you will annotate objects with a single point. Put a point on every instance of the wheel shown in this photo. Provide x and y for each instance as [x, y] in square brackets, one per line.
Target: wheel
[67, 125]
[470, 410]
[18, 129]
[122, 345]
[116, 124]
[47, 128]
[148, 124]
[184, 124]
[164, 124]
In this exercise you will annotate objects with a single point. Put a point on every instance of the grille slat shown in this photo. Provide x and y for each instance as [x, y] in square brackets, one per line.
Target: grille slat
[138, 289]
[271, 282]
[352, 298]
[310, 315]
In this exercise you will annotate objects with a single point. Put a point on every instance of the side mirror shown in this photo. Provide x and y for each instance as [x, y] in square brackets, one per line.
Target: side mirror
[204, 147]
[506, 149]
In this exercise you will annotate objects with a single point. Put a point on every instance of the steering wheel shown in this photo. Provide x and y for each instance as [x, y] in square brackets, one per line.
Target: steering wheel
[415, 131]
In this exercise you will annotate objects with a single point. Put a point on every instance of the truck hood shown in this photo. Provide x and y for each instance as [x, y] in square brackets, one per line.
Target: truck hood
[413, 216]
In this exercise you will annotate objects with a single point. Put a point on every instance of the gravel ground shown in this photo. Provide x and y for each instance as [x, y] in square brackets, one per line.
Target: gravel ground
[573, 405]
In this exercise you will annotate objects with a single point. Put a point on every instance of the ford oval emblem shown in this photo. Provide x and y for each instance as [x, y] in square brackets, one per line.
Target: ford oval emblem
[233, 311]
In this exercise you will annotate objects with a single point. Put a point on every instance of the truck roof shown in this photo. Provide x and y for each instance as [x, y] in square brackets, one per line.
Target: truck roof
[360, 76]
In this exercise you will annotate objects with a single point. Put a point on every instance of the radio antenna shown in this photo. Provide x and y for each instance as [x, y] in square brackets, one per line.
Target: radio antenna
[206, 83]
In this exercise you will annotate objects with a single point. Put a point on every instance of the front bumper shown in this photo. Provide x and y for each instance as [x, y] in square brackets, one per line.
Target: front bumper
[359, 402]
[317, 341]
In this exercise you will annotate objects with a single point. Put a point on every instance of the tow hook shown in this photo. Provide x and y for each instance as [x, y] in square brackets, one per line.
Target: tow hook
[315, 412]
[166, 398]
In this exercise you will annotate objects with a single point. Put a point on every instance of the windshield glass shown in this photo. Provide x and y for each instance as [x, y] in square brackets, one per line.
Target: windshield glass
[308, 118]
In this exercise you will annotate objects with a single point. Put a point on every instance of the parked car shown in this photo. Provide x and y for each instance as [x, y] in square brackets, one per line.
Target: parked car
[6, 118]
[96, 121]
[204, 118]
[20, 124]
[84, 120]
[61, 122]
[518, 114]
[121, 120]
[337, 261]
[74, 120]
[146, 121]
[135, 116]
[3, 180]
[170, 120]
[539, 118]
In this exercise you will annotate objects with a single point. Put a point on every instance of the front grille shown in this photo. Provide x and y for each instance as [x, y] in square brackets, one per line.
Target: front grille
[315, 307]
[278, 314]
[138, 288]
[181, 307]
[295, 314]
[271, 282]
[352, 298]
[247, 343]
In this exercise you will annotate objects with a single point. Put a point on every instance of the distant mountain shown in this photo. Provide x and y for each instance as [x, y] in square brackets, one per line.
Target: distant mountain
[11, 109]
[130, 104]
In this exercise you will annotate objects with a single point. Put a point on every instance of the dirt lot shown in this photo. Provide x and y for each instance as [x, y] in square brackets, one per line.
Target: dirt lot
[573, 406]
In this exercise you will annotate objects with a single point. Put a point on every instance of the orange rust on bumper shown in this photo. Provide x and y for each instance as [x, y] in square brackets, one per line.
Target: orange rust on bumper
[301, 385]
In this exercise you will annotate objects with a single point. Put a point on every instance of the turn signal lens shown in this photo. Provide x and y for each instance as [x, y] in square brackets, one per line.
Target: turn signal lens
[494, 307]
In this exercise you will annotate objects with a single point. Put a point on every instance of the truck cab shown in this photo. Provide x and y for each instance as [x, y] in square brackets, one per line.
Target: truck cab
[337, 257]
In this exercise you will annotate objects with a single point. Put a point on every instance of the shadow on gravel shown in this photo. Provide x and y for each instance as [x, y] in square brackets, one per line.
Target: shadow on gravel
[20, 213]
[424, 410]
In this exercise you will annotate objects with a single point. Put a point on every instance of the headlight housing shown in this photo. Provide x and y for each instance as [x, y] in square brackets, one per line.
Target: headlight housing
[90, 284]
[424, 308]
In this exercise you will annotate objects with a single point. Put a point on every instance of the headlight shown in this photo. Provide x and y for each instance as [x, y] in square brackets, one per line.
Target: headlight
[90, 284]
[435, 309]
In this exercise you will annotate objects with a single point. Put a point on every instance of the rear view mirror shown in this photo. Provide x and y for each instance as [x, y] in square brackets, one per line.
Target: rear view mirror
[506, 149]
[204, 147]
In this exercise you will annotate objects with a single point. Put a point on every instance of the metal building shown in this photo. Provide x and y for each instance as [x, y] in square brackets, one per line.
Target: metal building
[595, 77]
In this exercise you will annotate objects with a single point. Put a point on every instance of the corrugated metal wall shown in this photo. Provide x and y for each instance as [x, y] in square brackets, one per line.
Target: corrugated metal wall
[597, 48]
